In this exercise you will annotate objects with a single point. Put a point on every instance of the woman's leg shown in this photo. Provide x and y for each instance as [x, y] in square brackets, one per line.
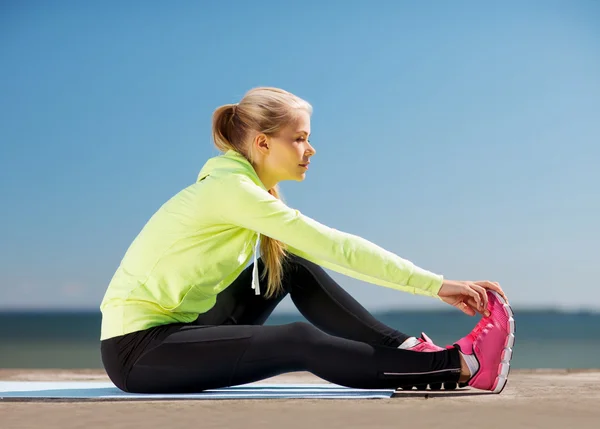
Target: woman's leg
[196, 358]
[329, 307]
[316, 295]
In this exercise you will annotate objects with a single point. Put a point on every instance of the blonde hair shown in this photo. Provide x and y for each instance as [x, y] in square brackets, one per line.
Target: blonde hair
[265, 110]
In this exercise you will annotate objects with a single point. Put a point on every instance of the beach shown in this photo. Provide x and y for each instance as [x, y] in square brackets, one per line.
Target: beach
[532, 399]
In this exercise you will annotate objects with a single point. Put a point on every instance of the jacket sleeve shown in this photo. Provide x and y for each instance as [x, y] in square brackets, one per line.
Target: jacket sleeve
[241, 202]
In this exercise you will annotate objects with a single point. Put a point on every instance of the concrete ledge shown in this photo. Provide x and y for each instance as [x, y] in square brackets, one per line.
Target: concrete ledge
[544, 398]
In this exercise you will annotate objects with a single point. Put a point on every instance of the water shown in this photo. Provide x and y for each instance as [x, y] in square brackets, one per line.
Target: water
[545, 339]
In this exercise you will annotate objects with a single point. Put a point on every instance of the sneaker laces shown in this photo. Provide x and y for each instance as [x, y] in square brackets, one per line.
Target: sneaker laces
[474, 334]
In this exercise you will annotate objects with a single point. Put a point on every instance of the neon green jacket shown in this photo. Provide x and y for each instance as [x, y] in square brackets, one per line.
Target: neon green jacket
[201, 239]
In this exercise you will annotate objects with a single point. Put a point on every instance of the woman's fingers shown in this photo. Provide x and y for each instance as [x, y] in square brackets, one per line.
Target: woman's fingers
[473, 304]
[466, 308]
[483, 295]
[473, 294]
[492, 286]
[489, 285]
[469, 296]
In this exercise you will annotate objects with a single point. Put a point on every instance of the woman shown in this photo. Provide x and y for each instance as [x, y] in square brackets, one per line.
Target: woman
[184, 312]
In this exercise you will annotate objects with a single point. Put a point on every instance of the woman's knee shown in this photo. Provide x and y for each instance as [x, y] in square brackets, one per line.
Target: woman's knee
[302, 332]
[301, 342]
[294, 261]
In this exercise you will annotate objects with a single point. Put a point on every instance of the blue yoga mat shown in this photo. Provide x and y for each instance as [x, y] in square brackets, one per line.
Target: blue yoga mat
[98, 390]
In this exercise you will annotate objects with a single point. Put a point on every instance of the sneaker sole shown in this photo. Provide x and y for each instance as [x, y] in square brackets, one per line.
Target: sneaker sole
[435, 386]
[504, 367]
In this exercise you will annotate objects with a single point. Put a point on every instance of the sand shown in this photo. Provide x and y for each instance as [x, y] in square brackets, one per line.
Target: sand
[532, 399]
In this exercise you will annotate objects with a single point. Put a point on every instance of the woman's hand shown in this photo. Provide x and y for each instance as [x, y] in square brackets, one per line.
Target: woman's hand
[468, 296]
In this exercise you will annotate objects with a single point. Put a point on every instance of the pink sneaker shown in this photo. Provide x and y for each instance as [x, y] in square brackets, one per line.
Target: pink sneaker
[491, 343]
[425, 345]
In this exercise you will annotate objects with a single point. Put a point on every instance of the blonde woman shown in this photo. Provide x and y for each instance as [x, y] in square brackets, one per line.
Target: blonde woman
[185, 310]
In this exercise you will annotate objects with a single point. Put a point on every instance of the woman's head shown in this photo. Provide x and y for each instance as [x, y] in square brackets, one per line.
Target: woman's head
[270, 127]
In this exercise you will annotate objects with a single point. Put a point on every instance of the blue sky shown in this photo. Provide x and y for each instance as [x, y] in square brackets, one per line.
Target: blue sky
[461, 136]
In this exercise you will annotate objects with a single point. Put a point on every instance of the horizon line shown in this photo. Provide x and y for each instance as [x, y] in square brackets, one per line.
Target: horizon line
[555, 309]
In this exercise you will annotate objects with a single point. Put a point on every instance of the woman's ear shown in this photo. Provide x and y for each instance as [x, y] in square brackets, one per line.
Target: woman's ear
[261, 143]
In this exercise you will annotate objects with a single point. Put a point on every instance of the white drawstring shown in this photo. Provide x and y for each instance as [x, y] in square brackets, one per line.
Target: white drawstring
[255, 280]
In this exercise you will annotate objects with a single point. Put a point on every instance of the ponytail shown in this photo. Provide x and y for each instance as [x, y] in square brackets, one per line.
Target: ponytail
[222, 126]
[273, 255]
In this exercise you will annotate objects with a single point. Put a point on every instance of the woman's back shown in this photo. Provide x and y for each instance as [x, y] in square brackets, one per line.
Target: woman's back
[182, 258]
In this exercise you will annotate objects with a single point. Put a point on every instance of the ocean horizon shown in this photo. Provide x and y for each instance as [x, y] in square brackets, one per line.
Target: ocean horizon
[69, 338]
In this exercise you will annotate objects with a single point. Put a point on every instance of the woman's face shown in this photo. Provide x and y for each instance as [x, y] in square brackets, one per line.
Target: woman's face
[289, 152]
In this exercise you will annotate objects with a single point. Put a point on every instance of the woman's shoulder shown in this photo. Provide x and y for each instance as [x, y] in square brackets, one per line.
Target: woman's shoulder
[228, 169]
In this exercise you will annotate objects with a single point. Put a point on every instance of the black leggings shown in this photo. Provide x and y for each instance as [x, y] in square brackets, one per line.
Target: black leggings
[228, 345]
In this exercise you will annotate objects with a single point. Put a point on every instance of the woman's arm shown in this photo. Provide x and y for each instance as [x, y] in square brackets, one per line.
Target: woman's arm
[241, 202]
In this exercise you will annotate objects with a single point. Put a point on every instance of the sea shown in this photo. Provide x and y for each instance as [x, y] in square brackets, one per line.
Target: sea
[545, 339]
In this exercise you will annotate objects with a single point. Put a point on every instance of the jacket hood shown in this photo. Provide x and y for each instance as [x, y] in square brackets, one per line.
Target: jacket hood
[231, 162]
